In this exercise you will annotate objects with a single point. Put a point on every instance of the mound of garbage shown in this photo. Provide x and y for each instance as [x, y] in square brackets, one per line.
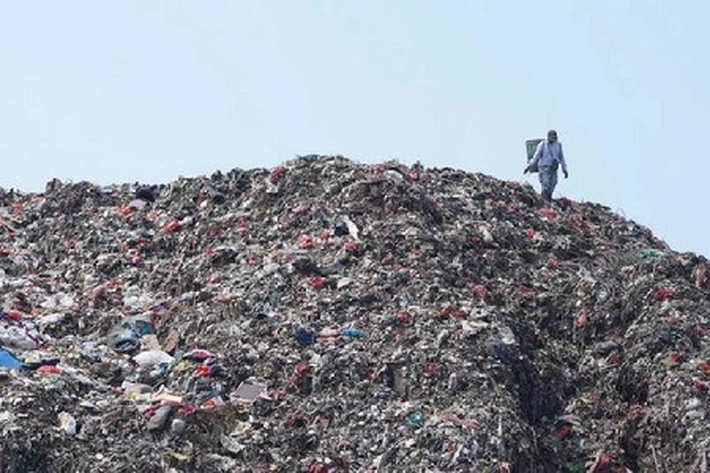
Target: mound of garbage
[331, 316]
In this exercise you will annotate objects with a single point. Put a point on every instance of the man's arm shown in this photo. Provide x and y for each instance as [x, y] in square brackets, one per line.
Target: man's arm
[561, 158]
[535, 159]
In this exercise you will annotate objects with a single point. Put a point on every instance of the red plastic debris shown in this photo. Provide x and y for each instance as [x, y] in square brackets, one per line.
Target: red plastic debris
[471, 424]
[548, 213]
[480, 292]
[701, 385]
[115, 284]
[379, 168]
[351, 246]
[295, 421]
[566, 201]
[126, 210]
[318, 282]
[199, 354]
[305, 242]
[526, 292]
[502, 205]
[186, 409]
[302, 209]
[48, 369]
[604, 460]
[415, 175]
[673, 359]
[563, 431]
[577, 222]
[430, 368]
[635, 411]
[172, 226]
[277, 174]
[404, 316]
[206, 370]
[302, 367]
[223, 298]
[582, 318]
[317, 468]
[14, 315]
[213, 402]
[531, 233]
[449, 311]
[663, 293]
[553, 263]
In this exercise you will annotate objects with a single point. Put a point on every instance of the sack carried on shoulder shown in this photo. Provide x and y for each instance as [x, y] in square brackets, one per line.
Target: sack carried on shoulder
[531, 147]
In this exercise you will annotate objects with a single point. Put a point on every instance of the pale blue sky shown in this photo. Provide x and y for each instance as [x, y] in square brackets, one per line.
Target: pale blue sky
[148, 90]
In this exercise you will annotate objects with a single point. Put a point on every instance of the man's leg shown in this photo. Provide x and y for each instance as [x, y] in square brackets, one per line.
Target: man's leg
[553, 181]
[545, 174]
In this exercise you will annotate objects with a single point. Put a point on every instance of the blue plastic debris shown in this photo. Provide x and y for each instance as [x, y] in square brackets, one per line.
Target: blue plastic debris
[352, 333]
[8, 360]
[305, 337]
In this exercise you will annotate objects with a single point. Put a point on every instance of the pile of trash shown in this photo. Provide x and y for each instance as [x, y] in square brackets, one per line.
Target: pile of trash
[330, 316]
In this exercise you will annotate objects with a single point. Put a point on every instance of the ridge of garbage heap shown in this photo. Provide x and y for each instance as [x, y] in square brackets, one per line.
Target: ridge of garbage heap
[331, 316]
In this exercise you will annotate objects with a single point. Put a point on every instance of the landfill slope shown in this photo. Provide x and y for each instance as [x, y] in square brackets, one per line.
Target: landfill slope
[330, 316]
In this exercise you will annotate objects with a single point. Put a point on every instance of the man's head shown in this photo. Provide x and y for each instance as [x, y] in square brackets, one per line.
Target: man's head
[552, 135]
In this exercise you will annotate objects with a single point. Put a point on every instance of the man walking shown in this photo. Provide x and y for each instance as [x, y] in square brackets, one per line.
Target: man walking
[548, 157]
